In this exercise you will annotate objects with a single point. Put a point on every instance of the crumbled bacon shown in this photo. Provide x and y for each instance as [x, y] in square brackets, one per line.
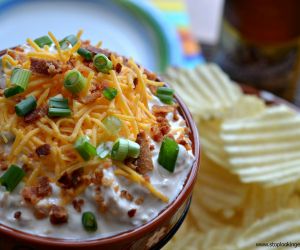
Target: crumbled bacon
[41, 212]
[131, 213]
[162, 110]
[139, 201]
[135, 82]
[36, 114]
[107, 182]
[72, 180]
[77, 204]
[126, 195]
[43, 150]
[97, 178]
[95, 51]
[159, 130]
[118, 68]
[175, 115]
[35, 193]
[17, 215]
[150, 75]
[184, 141]
[45, 67]
[152, 147]
[58, 215]
[100, 200]
[144, 161]
[3, 165]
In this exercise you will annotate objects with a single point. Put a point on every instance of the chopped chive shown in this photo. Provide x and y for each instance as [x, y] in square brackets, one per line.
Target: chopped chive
[112, 124]
[59, 112]
[167, 99]
[104, 149]
[42, 41]
[102, 63]
[165, 94]
[26, 106]
[110, 93]
[133, 149]
[12, 91]
[168, 154]
[87, 55]
[165, 91]
[119, 150]
[74, 81]
[58, 102]
[67, 41]
[89, 222]
[20, 77]
[85, 148]
[12, 177]
[124, 148]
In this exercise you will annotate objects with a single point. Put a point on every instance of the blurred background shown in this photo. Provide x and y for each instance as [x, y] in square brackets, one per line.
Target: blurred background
[255, 46]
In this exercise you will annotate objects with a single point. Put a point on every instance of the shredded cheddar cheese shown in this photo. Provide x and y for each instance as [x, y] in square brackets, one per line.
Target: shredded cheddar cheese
[130, 106]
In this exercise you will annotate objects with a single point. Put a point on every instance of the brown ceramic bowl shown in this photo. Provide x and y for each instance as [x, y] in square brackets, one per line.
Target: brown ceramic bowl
[151, 235]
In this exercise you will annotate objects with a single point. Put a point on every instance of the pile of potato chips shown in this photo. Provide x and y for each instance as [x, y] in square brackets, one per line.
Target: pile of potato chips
[248, 187]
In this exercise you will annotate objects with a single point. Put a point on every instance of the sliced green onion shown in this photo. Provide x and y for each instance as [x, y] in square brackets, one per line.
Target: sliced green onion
[112, 124]
[133, 149]
[165, 94]
[85, 148]
[42, 41]
[74, 81]
[89, 222]
[26, 106]
[20, 77]
[71, 39]
[167, 99]
[102, 63]
[59, 102]
[165, 91]
[12, 91]
[59, 112]
[110, 93]
[168, 154]
[119, 150]
[12, 177]
[104, 149]
[87, 55]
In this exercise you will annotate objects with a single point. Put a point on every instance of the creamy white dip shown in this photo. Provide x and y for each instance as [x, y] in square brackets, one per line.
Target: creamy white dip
[116, 219]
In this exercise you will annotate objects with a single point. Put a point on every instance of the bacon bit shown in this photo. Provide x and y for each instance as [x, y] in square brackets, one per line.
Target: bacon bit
[96, 93]
[126, 195]
[77, 204]
[135, 82]
[43, 150]
[58, 215]
[144, 161]
[41, 212]
[150, 75]
[118, 68]
[95, 51]
[35, 193]
[159, 130]
[26, 168]
[72, 180]
[100, 200]
[152, 147]
[17, 215]
[36, 114]
[139, 201]
[45, 67]
[162, 110]
[153, 89]
[98, 176]
[3, 165]
[184, 141]
[131, 213]
[146, 177]
[106, 182]
[175, 115]
[116, 188]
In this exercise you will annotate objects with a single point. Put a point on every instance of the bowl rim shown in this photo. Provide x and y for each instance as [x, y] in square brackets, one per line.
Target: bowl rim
[135, 233]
